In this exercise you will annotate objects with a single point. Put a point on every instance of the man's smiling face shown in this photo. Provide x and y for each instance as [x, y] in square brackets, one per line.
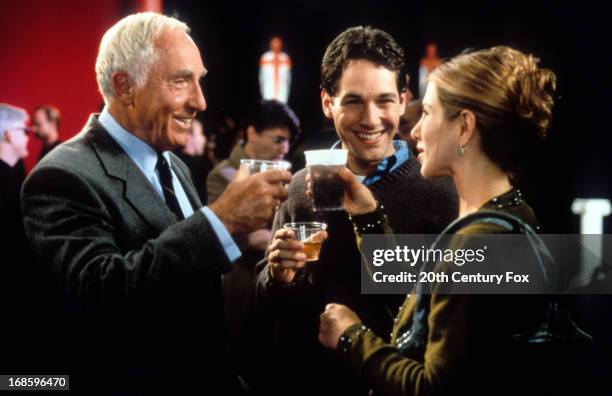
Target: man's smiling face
[170, 99]
[366, 111]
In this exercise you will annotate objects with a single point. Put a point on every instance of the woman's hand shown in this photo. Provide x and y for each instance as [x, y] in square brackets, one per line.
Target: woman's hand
[358, 199]
[334, 321]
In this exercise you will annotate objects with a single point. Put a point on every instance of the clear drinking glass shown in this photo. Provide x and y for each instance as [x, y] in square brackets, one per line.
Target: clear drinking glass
[310, 233]
[327, 187]
[255, 166]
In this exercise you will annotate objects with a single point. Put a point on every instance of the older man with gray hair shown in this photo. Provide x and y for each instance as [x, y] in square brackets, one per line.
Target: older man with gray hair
[13, 148]
[115, 216]
[14, 265]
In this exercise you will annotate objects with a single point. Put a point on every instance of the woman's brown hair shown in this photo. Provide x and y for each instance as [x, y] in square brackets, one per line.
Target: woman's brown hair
[511, 97]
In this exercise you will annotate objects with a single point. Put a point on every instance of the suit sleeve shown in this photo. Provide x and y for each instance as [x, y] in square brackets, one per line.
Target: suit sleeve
[72, 230]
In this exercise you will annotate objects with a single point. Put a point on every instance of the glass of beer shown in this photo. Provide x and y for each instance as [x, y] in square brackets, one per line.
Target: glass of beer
[327, 187]
[255, 166]
[310, 233]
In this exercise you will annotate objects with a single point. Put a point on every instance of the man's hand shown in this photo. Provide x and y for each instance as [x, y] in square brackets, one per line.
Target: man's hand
[285, 256]
[249, 203]
[334, 321]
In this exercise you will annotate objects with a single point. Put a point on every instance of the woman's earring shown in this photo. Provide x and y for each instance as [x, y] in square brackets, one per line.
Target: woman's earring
[462, 150]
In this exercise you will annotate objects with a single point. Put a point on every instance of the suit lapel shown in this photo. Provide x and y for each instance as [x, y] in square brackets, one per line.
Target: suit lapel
[186, 182]
[137, 190]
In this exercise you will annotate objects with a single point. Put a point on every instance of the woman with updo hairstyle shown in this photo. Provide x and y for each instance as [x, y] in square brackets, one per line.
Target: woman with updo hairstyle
[511, 98]
[481, 112]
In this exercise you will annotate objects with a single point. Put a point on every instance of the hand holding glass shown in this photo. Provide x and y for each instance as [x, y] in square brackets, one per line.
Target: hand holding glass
[311, 234]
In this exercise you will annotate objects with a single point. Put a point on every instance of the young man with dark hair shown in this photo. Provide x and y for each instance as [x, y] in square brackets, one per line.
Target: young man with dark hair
[270, 127]
[364, 93]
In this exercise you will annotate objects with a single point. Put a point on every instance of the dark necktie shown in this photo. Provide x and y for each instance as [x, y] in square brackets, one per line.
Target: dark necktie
[165, 177]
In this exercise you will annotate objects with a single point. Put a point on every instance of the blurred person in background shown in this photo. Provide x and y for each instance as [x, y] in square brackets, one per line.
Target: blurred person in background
[46, 125]
[17, 274]
[194, 156]
[412, 114]
[13, 149]
[409, 119]
[270, 128]
[225, 139]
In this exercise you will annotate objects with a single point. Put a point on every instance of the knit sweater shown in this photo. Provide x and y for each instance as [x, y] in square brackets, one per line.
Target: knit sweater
[412, 204]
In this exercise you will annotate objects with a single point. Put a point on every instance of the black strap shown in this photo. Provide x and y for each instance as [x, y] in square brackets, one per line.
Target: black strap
[512, 223]
[165, 177]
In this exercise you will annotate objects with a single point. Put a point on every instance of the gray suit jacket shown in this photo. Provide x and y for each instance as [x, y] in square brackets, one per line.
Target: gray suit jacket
[144, 288]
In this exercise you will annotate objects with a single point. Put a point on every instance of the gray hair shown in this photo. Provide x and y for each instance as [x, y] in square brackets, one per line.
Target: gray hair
[129, 46]
[10, 116]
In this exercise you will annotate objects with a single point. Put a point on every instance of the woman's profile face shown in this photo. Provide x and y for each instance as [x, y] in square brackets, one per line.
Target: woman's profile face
[437, 138]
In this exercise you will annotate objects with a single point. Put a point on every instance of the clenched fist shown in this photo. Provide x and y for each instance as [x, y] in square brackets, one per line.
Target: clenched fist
[334, 321]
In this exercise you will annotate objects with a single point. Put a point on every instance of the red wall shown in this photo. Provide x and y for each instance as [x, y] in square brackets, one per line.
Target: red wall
[47, 56]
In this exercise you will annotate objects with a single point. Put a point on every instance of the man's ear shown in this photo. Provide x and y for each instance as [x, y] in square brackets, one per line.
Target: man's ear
[7, 137]
[327, 103]
[403, 102]
[123, 87]
[468, 127]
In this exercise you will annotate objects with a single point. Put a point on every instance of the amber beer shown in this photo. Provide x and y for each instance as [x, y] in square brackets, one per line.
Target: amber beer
[327, 186]
[310, 233]
[312, 250]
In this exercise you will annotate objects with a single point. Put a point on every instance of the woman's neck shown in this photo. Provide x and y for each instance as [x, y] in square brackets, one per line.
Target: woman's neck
[478, 181]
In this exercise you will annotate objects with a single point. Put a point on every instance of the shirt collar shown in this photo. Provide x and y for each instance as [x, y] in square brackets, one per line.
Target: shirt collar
[140, 152]
[390, 163]
[400, 156]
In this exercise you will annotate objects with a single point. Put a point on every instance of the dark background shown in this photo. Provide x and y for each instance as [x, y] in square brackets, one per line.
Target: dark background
[571, 39]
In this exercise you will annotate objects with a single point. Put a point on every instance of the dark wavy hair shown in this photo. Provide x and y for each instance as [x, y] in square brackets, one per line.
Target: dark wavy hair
[366, 43]
[267, 114]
